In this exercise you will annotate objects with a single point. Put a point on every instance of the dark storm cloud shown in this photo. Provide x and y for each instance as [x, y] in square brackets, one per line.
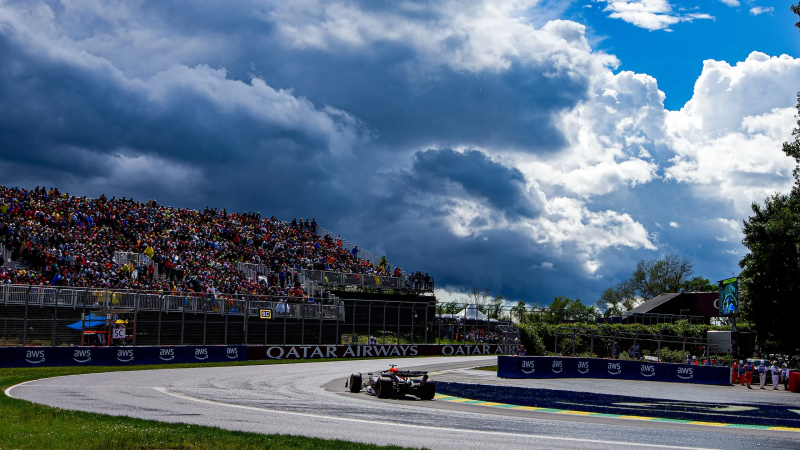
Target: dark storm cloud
[477, 175]
[196, 129]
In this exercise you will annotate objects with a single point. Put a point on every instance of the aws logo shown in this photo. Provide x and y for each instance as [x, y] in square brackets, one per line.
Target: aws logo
[201, 353]
[583, 367]
[166, 354]
[125, 355]
[614, 368]
[685, 373]
[528, 367]
[557, 367]
[647, 370]
[34, 356]
[232, 353]
[82, 356]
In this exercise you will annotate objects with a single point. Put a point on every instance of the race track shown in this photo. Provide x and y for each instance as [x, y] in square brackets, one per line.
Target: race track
[310, 399]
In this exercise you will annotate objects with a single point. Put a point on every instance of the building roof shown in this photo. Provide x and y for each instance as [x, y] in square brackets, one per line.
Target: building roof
[651, 304]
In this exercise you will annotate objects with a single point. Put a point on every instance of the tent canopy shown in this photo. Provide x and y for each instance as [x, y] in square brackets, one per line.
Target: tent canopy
[471, 312]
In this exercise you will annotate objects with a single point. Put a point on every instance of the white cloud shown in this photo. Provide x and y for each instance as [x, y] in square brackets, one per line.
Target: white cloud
[732, 3]
[733, 224]
[649, 14]
[471, 36]
[617, 136]
[761, 10]
[727, 138]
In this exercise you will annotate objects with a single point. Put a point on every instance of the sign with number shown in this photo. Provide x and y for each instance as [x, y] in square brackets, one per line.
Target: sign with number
[119, 333]
[265, 313]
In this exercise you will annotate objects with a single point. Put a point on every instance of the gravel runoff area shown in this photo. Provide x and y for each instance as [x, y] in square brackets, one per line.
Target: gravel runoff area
[310, 399]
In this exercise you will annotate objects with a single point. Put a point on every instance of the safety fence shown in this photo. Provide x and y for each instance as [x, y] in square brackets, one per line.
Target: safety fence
[37, 315]
[580, 341]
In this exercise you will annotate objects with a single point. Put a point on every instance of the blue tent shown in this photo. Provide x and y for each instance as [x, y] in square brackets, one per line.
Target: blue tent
[90, 321]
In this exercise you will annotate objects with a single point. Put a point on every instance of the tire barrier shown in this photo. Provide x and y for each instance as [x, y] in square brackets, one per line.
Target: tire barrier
[559, 367]
[118, 356]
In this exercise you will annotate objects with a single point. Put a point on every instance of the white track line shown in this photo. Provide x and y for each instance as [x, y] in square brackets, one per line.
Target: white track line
[425, 427]
[8, 389]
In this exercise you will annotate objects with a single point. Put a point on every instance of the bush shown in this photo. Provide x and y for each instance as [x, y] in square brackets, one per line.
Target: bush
[540, 338]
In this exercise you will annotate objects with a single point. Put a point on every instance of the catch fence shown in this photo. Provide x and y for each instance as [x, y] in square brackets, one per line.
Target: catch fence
[40, 315]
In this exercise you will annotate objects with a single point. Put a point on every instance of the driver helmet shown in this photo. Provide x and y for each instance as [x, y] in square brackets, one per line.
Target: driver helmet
[394, 369]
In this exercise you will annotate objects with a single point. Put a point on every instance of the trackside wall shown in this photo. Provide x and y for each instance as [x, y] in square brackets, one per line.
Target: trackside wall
[560, 367]
[138, 355]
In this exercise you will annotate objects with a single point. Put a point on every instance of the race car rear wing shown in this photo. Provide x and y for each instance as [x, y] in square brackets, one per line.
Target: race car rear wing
[403, 373]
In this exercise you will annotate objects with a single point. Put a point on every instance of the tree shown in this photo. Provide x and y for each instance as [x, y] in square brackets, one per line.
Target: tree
[518, 312]
[668, 274]
[564, 309]
[618, 299]
[699, 284]
[476, 296]
[450, 307]
[770, 277]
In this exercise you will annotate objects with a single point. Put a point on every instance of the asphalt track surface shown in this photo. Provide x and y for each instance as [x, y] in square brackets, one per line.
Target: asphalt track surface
[310, 399]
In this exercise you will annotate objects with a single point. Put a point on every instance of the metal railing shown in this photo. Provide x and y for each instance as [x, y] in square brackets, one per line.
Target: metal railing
[294, 307]
[43, 315]
[344, 279]
[7, 262]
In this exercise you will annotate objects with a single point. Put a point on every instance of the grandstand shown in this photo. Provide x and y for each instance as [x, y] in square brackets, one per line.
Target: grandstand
[50, 238]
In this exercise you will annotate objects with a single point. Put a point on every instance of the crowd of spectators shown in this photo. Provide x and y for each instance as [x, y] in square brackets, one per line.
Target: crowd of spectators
[64, 240]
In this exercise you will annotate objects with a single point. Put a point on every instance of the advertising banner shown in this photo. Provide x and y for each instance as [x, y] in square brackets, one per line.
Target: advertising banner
[117, 356]
[729, 297]
[372, 351]
[561, 367]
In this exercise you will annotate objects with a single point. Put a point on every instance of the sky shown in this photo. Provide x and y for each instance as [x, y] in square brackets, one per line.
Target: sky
[531, 148]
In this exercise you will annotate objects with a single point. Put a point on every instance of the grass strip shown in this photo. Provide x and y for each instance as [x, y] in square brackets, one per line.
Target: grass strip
[489, 368]
[25, 425]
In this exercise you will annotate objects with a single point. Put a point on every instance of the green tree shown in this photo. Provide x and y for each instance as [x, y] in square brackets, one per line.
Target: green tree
[666, 274]
[618, 299]
[699, 284]
[564, 309]
[770, 277]
[450, 307]
[519, 312]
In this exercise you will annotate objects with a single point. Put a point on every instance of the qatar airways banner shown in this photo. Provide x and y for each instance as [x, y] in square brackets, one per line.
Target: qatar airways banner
[118, 356]
[372, 351]
[560, 367]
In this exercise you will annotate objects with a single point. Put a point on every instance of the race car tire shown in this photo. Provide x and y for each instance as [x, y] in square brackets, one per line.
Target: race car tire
[355, 383]
[384, 388]
[428, 391]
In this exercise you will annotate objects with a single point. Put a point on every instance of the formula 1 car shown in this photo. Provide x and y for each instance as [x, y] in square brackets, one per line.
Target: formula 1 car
[394, 383]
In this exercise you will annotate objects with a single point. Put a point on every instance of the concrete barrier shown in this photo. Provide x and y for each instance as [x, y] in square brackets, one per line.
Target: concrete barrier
[567, 367]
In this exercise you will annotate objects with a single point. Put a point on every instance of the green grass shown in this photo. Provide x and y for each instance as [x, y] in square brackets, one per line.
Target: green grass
[25, 425]
[489, 368]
